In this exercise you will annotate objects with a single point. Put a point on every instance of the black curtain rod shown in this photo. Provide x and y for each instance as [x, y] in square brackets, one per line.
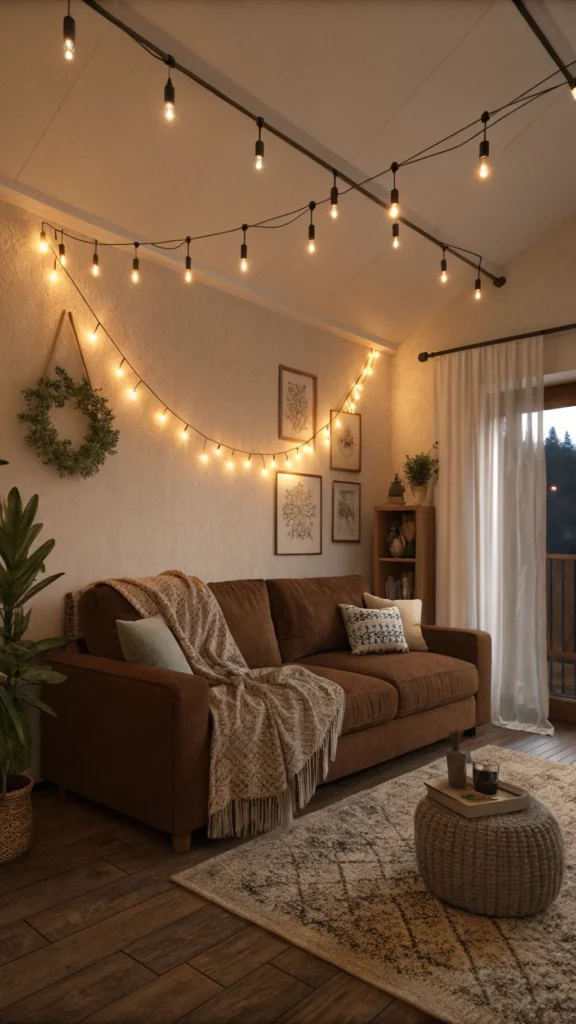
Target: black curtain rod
[497, 281]
[423, 357]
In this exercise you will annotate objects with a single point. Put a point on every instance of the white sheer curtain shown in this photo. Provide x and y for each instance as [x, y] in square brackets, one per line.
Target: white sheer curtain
[491, 513]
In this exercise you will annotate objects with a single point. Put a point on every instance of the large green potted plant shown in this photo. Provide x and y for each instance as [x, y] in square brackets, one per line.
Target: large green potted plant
[21, 667]
[419, 470]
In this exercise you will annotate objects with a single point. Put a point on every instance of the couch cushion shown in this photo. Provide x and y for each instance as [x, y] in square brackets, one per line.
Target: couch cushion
[98, 610]
[306, 613]
[422, 679]
[369, 701]
[247, 611]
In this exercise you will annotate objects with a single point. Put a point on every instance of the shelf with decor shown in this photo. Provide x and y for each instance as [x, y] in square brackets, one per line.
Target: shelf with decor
[413, 529]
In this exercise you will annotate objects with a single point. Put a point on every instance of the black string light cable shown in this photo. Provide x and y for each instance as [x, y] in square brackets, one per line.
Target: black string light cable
[188, 427]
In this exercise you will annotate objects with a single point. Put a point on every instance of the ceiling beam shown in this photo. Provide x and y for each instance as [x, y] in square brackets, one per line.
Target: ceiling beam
[168, 59]
[545, 42]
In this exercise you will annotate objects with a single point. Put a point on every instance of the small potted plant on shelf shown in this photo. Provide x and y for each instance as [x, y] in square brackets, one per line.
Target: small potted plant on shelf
[20, 666]
[419, 470]
[456, 760]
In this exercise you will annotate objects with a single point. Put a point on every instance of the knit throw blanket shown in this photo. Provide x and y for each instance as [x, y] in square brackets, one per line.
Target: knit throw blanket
[274, 731]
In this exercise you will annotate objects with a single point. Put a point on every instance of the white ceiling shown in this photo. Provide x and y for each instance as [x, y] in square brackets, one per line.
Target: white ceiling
[362, 82]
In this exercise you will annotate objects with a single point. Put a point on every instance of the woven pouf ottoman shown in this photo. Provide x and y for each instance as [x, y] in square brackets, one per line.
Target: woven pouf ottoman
[504, 865]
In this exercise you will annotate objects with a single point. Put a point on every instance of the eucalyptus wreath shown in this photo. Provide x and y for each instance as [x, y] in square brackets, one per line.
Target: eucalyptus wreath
[101, 438]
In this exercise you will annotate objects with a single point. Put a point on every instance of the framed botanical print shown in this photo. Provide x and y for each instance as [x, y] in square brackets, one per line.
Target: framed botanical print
[345, 511]
[296, 405]
[298, 514]
[346, 441]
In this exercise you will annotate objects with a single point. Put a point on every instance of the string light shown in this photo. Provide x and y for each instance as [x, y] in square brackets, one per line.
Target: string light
[95, 261]
[53, 275]
[394, 209]
[297, 456]
[478, 288]
[334, 198]
[248, 462]
[133, 393]
[219, 450]
[327, 435]
[162, 416]
[273, 462]
[311, 228]
[230, 462]
[43, 243]
[288, 463]
[484, 152]
[308, 449]
[338, 423]
[93, 335]
[443, 267]
[120, 369]
[62, 250]
[259, 162]
[188, 271]
[204, 455]
[136, 264]
[184, 434]
[69, 44]
[169, 93]
[244, 251]
[264, 469]
[395, 236]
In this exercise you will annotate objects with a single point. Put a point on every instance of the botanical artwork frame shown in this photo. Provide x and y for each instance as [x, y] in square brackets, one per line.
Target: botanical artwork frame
[346, 528]
[298, 514]
[346, 457]
[297, 392]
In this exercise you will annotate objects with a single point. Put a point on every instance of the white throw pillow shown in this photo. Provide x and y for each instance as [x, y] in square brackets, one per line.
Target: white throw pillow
[151, 642]
[374, 631]
[411, 615]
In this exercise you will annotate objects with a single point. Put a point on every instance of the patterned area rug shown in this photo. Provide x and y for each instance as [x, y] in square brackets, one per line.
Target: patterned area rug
[343, 884]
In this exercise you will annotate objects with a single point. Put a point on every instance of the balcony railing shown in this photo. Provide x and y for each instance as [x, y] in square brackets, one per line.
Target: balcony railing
[561, 608]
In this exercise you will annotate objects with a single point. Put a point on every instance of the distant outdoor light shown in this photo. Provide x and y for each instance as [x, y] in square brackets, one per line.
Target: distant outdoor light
[553, 487]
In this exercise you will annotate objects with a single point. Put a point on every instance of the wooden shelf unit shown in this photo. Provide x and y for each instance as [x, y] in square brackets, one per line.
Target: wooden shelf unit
[423, 566]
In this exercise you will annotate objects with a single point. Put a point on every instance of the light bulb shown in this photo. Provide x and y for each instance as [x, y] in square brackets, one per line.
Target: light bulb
[334, 211]
[368, 371]
[308, 449]
[135, 275]
[376, 355]
[484, 168]
[478, 288]
[162, 417]
[230, 464]
[243, 264]
[443, 270]
[53, 274]
[188, 271]
[352, 406]
[218, 450]
[298, 456]
[395, 236]
[43, 243]
[169, 99]
[184, 434]
[92, 336]
[273, 463]
[443, 277]
[62, 254]
[247, 463]
[204, 457]
[396, 243]
[95, 265]
[394, 211]
[188, 276]
[477, 294]
[69, 37]
[120, 371]
[338, 423]
[264, 471]
[288, 463]
[259, 162]
[136, 264]
[133, 394]
[259, 147]
[311, 246]
[169, 111]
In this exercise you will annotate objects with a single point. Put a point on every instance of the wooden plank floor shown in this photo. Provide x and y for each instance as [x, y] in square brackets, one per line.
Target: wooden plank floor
[92, 929]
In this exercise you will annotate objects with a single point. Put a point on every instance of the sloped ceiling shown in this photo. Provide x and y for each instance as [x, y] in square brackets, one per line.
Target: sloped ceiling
[362, 82]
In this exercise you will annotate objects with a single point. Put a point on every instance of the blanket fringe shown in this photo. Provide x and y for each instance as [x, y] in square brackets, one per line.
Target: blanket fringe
[243, 818]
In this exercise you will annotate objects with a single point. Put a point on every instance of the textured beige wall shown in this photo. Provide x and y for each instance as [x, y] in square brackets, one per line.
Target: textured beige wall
[541, 292]
[214, 357]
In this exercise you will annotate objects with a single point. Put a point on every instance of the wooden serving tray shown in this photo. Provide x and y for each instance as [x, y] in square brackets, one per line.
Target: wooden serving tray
[508, 798]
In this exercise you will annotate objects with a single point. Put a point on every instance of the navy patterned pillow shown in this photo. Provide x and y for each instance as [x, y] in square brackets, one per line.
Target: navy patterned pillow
[374, 630]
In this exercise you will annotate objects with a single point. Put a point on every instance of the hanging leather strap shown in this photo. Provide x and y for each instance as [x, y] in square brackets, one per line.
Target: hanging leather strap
[76, 339]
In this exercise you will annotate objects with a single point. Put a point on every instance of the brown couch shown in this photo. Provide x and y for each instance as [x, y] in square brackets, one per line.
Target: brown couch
[137, 739]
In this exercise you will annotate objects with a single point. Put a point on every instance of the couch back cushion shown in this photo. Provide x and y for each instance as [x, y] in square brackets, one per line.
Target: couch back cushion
[98, 610]
[244, 603]
[246, 609]
[307, 616]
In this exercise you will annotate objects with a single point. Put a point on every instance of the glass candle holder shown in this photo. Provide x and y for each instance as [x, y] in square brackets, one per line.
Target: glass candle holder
[485, 776]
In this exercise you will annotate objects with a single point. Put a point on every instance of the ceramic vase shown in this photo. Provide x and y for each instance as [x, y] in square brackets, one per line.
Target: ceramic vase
[419, 494]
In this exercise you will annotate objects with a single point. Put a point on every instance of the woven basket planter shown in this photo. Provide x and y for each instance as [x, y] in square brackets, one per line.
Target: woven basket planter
[16, 822]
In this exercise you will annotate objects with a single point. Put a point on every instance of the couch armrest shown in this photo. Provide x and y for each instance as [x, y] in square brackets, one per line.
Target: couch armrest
[472, 645]
[133, 738]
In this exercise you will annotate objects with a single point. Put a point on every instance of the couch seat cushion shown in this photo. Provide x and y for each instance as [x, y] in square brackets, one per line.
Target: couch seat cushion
[422, 679]
[306, 613]
[369, 701]
[247, 612]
